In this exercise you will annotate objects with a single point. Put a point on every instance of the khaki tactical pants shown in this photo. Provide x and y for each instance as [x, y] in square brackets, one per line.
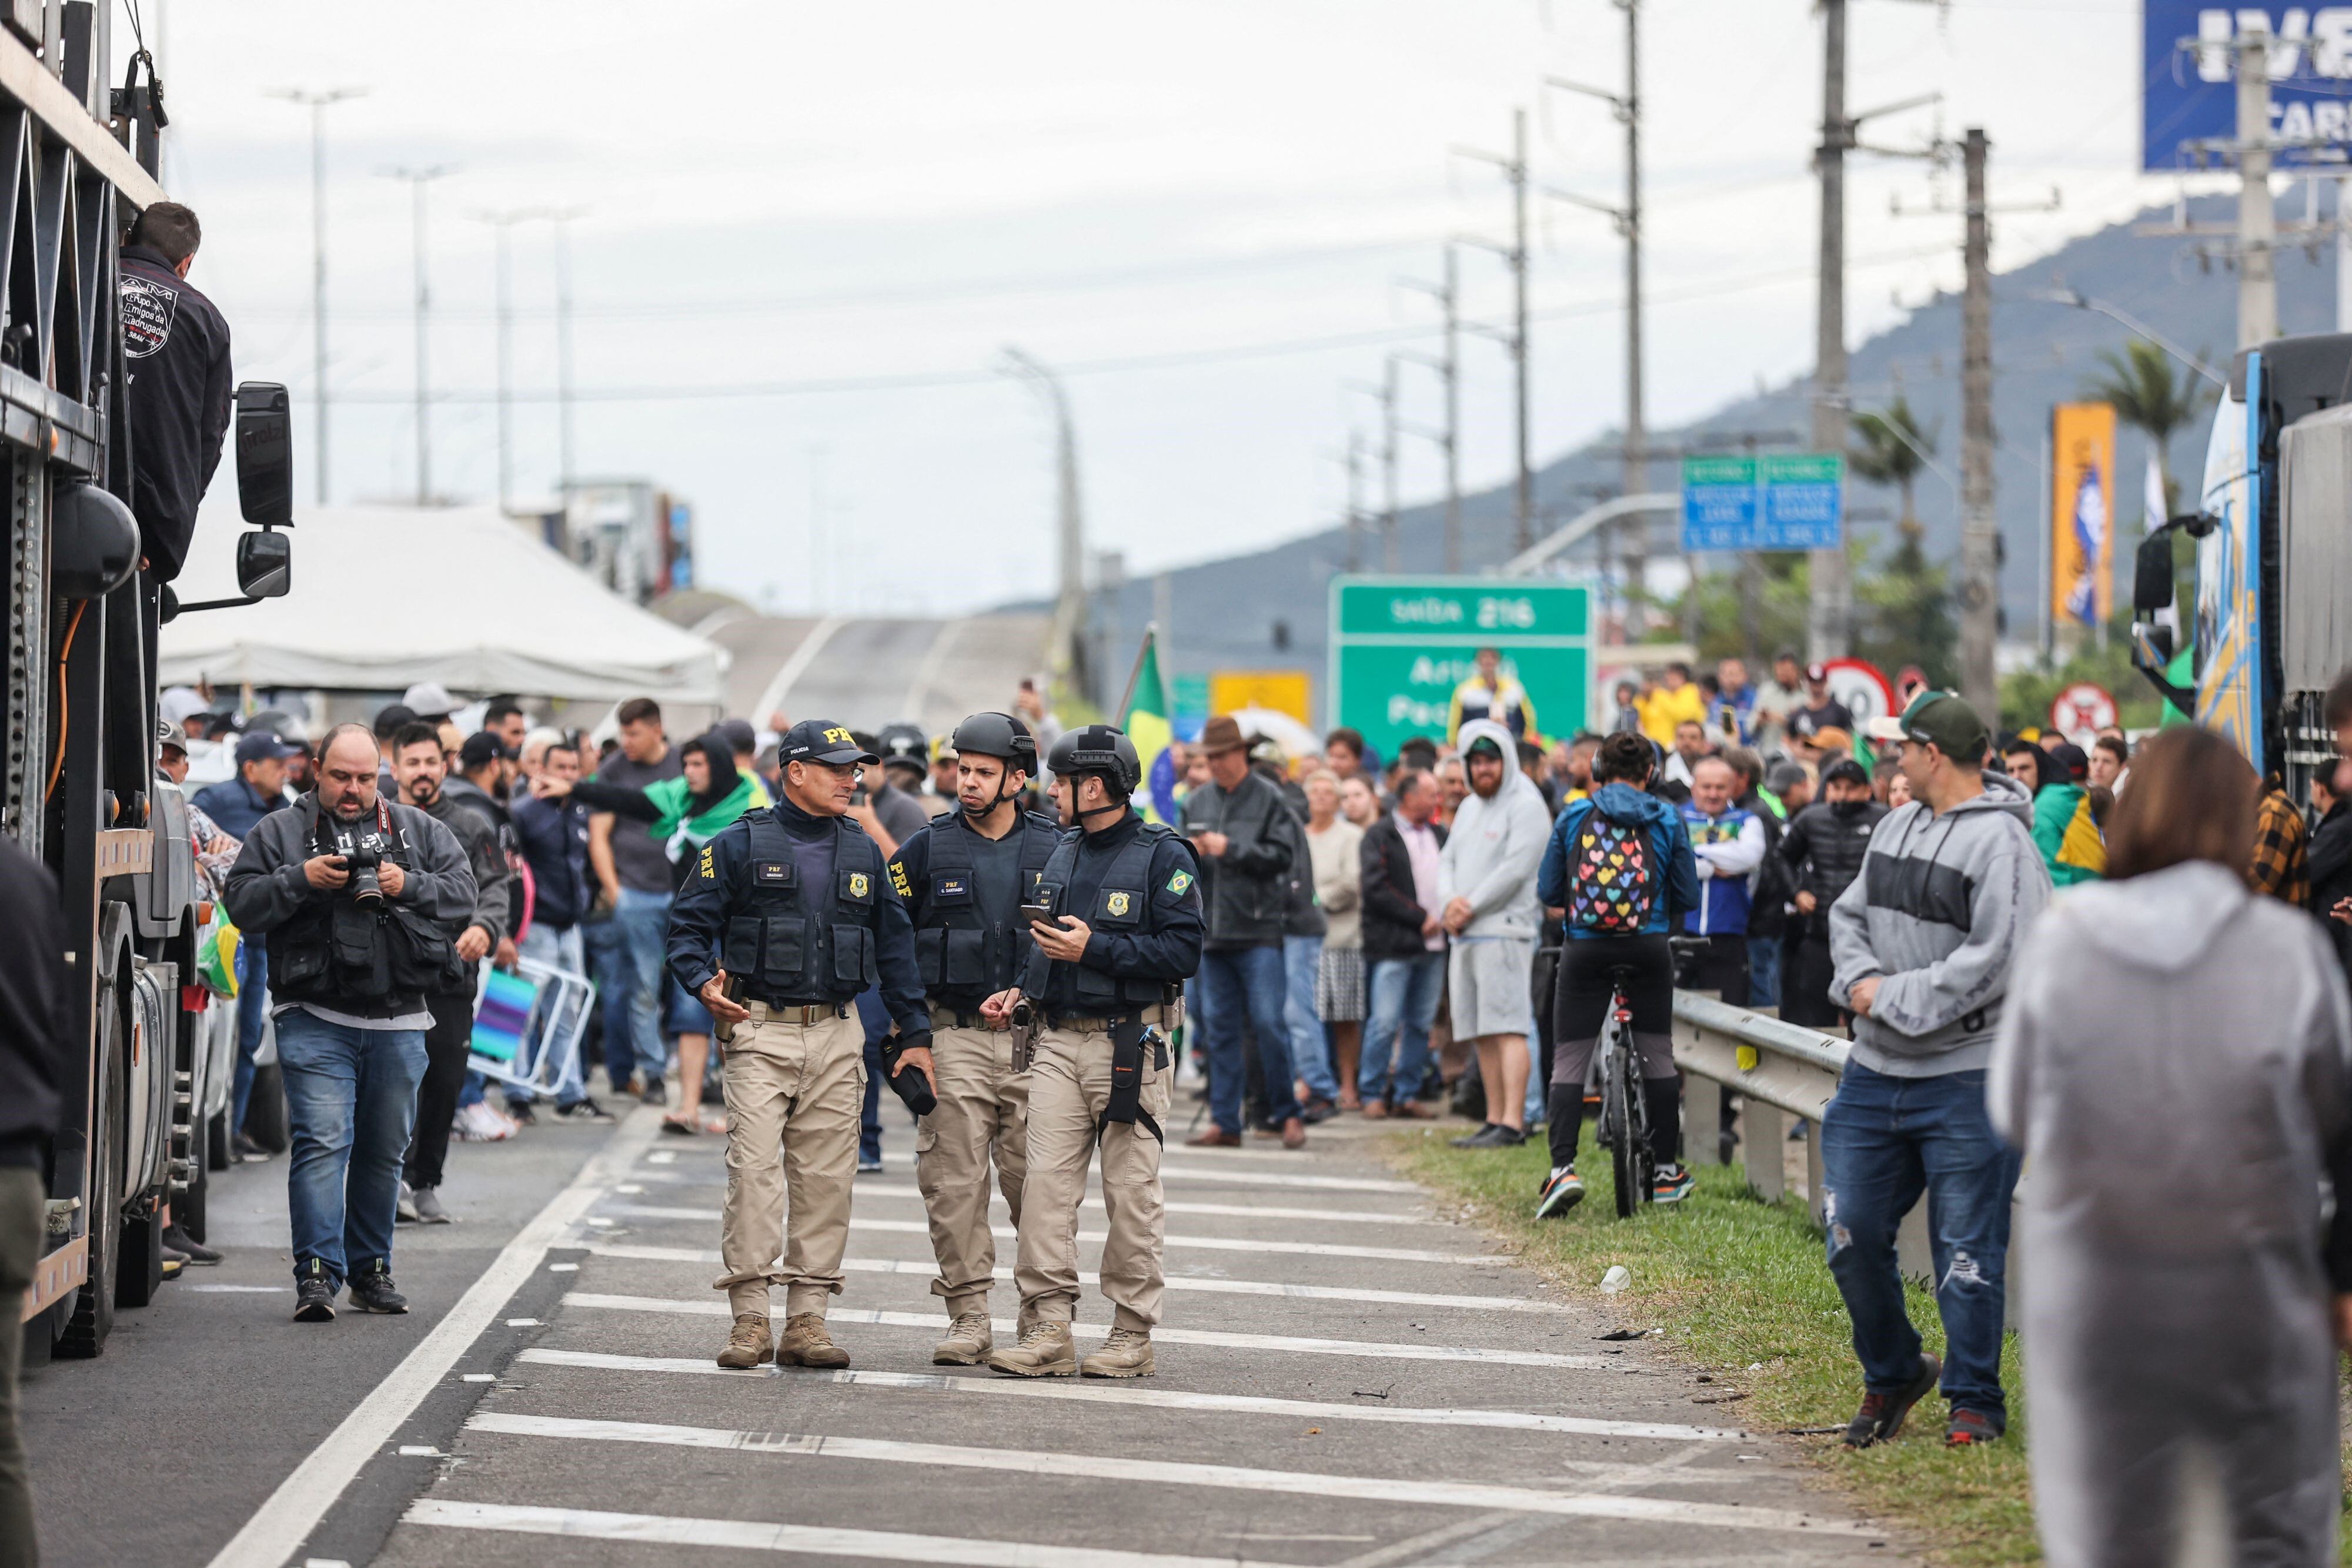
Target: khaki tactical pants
[983, 1109]
[1069, 1083]
[795, 1088]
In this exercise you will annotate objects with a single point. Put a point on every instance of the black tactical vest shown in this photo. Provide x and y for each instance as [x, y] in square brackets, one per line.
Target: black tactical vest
[1122, 904]
[796, 943]
[958, 956]
[338, 950]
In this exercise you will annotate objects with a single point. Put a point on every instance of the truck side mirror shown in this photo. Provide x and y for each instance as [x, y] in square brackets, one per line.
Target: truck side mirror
[93, 541]
[2152, 584]
[264, 565]
[265, 457]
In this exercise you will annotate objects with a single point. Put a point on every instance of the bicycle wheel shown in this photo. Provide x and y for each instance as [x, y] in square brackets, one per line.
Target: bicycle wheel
[1619, 1112]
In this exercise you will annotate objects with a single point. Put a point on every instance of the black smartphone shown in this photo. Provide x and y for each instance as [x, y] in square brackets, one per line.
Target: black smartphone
[1043, 912]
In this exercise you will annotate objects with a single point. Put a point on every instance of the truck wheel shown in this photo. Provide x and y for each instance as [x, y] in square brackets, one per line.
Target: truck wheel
[218, 1154]
[92, 1315]
[265, 1118]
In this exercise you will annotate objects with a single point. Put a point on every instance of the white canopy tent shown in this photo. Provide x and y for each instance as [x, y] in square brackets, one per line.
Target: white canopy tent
[387, 596]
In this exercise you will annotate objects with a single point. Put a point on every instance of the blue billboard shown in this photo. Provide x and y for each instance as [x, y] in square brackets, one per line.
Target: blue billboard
[2189, 81]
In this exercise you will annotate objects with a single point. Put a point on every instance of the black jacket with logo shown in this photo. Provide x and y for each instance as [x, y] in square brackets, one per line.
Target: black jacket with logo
[1248, 886]
[175, 349]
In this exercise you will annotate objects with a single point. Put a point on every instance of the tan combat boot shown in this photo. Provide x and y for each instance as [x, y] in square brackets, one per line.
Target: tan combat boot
[968, 1341]
[1045, 1351]
[749, 1345]
[1127, 1353]
[805, 1344]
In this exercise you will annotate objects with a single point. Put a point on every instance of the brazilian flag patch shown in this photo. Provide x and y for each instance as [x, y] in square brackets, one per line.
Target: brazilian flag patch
[1179, 882]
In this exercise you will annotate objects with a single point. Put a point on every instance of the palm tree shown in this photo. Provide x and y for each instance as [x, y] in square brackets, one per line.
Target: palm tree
[1893, 451]
[2140, 386]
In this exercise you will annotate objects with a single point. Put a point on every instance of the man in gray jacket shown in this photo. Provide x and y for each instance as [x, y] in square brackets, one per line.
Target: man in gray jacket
[351, 893]
[1487, 880]
[1923, 942]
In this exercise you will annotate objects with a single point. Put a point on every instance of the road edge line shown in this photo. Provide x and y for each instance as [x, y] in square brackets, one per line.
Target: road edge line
[278, 1528]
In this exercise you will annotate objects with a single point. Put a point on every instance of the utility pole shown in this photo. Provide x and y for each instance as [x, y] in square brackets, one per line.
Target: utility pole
[1449, 371]
[567, 471]
[1070, 601]
[1628, 221]
[1980, 529]
[417, 180]
[318, 102]
[1515, 170]
[1355, 461]
[2257, 223]
[1828, 618]
[500, 223]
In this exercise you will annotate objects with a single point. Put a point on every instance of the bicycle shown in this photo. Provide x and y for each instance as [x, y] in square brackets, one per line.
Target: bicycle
[1624, 1128]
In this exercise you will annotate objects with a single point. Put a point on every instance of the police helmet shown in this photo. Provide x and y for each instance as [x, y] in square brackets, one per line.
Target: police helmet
[905, 744]
[996, 734]
[1099, 748]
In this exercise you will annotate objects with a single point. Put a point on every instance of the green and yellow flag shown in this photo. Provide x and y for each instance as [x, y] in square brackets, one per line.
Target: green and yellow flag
[1146, 723]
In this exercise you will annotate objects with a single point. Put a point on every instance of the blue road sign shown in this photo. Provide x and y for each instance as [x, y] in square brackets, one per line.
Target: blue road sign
[1775, 503]
[2189, 99]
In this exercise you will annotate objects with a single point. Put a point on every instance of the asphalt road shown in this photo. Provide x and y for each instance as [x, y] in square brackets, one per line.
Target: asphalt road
[1345, 1377]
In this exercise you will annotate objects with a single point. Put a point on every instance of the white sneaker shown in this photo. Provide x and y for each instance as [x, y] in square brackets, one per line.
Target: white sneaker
[477, 1124]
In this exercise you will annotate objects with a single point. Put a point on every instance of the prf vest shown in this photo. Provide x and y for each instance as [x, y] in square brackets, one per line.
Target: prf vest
[1121, 903]
[956, 952]
[798, 944]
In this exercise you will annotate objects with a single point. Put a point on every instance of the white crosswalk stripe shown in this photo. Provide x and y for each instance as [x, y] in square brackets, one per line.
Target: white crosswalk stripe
[1161, 1472]
[886, 1192]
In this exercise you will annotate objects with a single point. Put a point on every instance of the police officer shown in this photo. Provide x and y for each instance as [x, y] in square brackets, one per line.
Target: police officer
[785, 918]
[965, 879]
[1124, 934]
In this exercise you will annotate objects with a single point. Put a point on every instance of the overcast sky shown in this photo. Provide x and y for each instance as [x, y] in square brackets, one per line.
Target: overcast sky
[1200, 207]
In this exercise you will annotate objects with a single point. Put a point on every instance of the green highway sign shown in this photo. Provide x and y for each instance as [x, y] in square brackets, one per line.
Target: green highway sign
[1398, 647]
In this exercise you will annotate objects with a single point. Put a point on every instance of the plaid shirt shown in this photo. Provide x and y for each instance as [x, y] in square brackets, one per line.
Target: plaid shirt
[2281, 868]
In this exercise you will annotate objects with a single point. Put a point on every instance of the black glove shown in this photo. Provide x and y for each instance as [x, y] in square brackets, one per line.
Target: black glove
[913, 1085]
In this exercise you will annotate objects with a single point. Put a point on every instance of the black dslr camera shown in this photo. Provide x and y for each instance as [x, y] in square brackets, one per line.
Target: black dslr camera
[362, 859]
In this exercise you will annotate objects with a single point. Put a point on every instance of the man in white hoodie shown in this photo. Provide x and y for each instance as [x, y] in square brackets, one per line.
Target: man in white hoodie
[1488, 882]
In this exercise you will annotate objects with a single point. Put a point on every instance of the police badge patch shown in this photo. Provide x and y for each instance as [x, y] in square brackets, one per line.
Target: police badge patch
[858, 884]
[1116, 903]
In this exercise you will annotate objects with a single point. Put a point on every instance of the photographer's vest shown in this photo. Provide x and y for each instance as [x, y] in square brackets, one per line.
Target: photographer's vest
[792, 943]
[339, 953]
[1122, 904]
[960, 957]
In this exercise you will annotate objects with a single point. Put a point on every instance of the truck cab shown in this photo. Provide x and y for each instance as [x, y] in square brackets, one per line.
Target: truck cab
[2270, 623]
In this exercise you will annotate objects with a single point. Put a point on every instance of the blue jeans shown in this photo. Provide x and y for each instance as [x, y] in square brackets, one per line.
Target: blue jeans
[1310, 1053]
[643, 922]
[252, 1017]
[1402, 1003]
[608, 962]
[1883, 1141]
[1248, 983]
[350, 1099]
[1764, 971]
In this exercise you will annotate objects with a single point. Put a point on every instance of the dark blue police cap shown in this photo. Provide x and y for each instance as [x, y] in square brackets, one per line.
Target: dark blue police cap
[822, 740]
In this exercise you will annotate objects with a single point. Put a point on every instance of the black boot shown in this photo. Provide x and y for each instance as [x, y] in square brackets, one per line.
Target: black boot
[371, 1288]
[314, 1293]
[195, 1250]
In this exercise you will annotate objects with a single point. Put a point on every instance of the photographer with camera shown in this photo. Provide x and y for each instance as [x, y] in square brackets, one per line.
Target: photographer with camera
[351, 894]
[420, 768]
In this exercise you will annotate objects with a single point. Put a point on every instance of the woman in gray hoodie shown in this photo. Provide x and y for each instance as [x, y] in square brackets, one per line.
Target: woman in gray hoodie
[2176, 1063]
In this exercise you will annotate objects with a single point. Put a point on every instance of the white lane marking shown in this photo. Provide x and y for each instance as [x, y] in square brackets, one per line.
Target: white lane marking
[1226, 1211]
[662, 1157]
[800, 1539]
[242, 1289]
[1201, 1243]
[480, 1377]
[1171, 1472]
[1261, 1178]
[1163, 1335]
[302, 1498]
[1173, 1282]
[1160, 1398]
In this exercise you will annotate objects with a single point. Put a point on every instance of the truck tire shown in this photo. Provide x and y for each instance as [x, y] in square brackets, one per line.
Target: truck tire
[265, 1117]
[91, 1317]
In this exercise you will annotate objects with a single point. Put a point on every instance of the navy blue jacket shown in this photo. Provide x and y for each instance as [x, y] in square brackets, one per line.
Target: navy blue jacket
[1669, 844]
[235, 806]
[555, 839]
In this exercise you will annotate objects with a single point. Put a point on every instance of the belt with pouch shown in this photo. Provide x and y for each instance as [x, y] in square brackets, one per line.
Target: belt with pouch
[1106, 1025]
[795, 1012]
[953, 1017]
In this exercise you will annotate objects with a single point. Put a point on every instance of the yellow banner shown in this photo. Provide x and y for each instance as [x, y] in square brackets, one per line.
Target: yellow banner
[2082, 512]
[1283, 691]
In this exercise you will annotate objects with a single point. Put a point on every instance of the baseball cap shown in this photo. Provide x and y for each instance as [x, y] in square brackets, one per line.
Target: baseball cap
[260, 745]
[1845, 770]
[482, 747]
[180, 704]
[2072, 757]
[169, 738]
[1817, 673]
[429, 699]
[1484, 743]
[1939, 719]
[1830, 738]
[741, 736]
[820, 740]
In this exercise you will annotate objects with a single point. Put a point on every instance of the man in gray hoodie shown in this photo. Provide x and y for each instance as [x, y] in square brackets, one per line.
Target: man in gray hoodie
[1923, 942]
[1487, 879]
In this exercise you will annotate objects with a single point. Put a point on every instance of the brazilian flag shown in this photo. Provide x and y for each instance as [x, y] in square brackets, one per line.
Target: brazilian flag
[1146, 723]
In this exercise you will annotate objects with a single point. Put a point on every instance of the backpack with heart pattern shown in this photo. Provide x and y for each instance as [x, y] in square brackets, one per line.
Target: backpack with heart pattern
[1613, 885]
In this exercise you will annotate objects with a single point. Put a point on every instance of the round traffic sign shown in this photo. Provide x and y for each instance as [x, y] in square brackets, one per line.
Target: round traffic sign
[2082, 710]
[1863, 687]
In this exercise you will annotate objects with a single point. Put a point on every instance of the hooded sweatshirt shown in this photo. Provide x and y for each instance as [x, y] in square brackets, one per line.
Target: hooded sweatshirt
[1676, 873]
[1491, 856]
[1936, 915]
